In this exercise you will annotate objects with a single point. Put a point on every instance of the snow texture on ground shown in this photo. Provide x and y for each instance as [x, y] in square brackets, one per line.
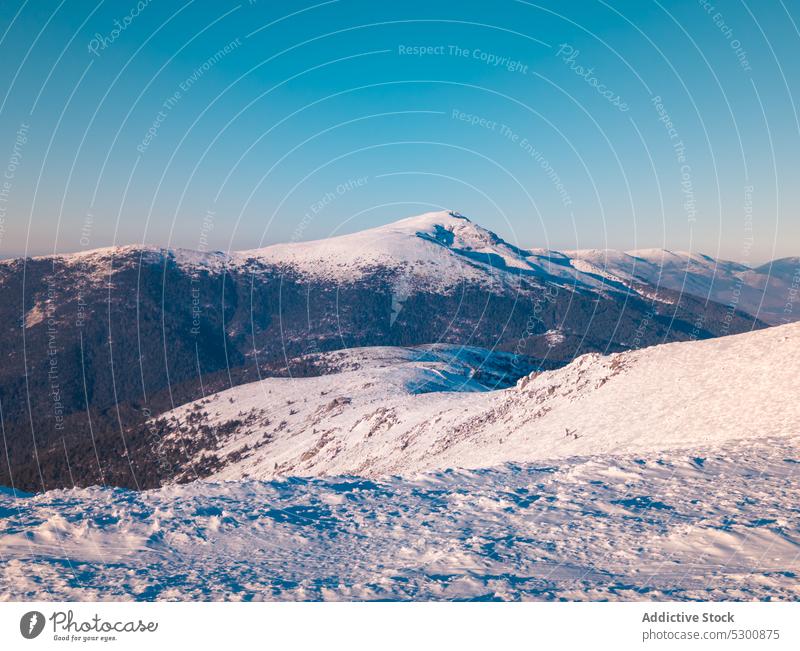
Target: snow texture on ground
[704, 523]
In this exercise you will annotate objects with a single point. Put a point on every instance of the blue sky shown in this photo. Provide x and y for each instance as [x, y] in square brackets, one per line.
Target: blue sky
[564, 125]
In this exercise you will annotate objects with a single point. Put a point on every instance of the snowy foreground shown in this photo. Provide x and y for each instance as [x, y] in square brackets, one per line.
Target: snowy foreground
[664, 473]
[707, 523]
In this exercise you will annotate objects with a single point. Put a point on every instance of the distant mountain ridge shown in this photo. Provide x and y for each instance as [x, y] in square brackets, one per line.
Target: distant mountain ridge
[765, 291]
[97, 343]
[440, 249]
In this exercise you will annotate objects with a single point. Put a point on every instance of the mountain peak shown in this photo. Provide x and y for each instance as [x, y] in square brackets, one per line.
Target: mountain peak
[444, 246]
[428, 221]
[435, 216]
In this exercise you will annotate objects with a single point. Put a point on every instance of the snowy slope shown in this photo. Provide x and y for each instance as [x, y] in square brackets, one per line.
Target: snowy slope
[703, 523]
[377, 421]
[457, 368]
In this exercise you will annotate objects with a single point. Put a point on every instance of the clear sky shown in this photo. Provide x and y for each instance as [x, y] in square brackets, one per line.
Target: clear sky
[231, 125]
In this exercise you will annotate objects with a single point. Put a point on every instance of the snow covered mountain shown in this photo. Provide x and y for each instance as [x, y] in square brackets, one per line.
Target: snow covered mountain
[369, 449]
[137, 331]
[441, 250]
[444, 249]
[380, 420]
